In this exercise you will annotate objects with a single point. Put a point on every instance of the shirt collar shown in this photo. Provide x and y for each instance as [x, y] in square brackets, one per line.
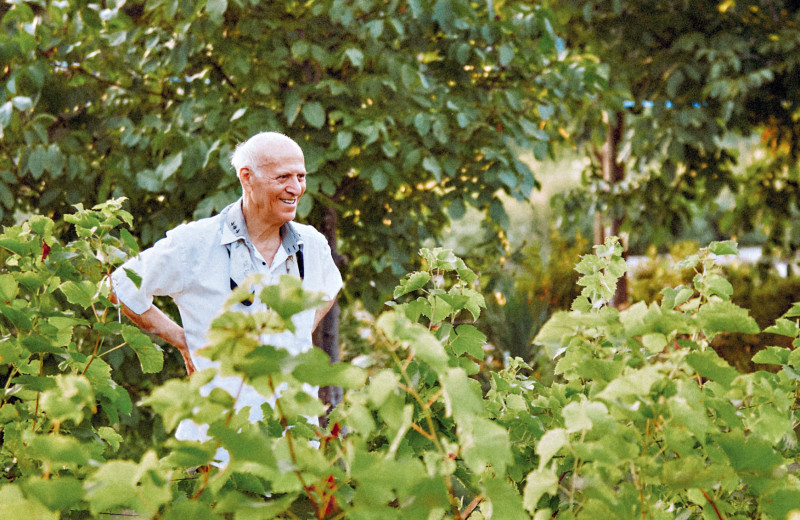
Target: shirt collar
[235, 229]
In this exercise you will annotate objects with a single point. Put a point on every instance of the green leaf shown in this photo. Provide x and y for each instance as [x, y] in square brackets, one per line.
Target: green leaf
[782, 503]
[469, 340]
[675, 297]
[169, 166]
[216, 8]
[291, 106]
[58, 493]
[150, 355]
[381, 386]
[245, 443]
[719, 286]
[772, 356]
[539, 482]
[581, 416]
[37, 161]
[793, 312]
[17, 318]
[14, 505]
[140, 487]
[314, 114]
[506, 54]
[58, 450]
[728, 247]
[67, 402]
[557, 330]
[635, 383]
[110, 436]
[356, 57]
[130, 243]
[8, 288]
[400, 329]
[413, 282]
[422, 122]
[440, 309]
[314, 367]
[498, 214]
[80, 293]
[655, 342]
[432, 165]
[505, 500]
[6, 110]
[709, 365]
[288, 298]
[724, 316]
[379, 179]
[485, 443]
[783, 327]
[550, 443]
[540, 150]
[749, 455]
[546, 111]
[343, 140]
[134, 277]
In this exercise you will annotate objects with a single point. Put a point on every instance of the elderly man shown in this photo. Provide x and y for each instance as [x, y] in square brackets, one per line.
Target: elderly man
[199, 263]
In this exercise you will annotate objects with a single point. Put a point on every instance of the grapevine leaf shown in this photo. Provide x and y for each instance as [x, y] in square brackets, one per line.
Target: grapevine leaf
[150, 355]
[539, 483]
[14, 505]
[469, 340]
[724, 316]
[413, 282]
[772, 356]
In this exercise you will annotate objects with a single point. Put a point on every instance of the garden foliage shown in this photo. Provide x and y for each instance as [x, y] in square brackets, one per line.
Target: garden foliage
[643, 420]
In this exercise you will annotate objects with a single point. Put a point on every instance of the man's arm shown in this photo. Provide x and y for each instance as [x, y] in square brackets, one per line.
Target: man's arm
[154, 321]
[321, 312]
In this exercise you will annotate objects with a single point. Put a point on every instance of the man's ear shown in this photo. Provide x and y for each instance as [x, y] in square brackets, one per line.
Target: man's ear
[246, 178]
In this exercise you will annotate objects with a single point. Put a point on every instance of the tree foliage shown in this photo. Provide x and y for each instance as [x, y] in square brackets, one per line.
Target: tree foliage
[687, 75]
[408, 112]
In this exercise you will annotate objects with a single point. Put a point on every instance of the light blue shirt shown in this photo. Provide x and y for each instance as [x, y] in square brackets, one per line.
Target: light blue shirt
[192, 265]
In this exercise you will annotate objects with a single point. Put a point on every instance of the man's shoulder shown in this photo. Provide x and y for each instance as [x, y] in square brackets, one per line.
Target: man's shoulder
[309, 233]
[205, 227]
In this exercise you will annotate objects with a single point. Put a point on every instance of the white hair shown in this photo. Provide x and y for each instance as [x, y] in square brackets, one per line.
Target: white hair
[250, 153]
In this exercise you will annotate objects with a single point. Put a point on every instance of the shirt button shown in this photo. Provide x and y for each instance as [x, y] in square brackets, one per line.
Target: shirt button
[263, 263]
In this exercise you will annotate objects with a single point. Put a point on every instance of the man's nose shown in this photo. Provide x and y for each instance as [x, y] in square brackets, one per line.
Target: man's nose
[294, 186]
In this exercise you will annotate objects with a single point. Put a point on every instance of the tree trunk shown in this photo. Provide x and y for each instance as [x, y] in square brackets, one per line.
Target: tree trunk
[613, 173]
[326, 336]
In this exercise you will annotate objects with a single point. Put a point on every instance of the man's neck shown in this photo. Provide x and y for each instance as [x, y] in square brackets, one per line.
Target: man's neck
[264, 234]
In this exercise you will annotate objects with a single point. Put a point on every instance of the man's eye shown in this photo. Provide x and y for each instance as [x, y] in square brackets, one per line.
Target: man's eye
[301, 178]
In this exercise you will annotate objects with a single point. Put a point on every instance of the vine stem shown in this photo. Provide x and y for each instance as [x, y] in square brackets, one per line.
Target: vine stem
[431, 434]
[719, 515]
[113, 349]
[289, 442]
[99, 341]
[38, 394]
[206, 473]
[471, 507]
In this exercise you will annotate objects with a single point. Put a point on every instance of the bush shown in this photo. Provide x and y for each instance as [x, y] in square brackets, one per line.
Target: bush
[767, 294]
[644, 420]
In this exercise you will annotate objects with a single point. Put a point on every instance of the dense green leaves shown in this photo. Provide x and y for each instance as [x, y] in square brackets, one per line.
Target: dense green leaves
[690, 79]
[649, 407]
[401, 111]
[641, 407]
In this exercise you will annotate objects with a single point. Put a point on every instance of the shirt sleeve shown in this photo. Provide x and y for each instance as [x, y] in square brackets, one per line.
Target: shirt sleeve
[331, 278]
[161, 272]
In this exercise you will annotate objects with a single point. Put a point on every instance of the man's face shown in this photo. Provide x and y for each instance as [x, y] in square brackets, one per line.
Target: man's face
[278, 185]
